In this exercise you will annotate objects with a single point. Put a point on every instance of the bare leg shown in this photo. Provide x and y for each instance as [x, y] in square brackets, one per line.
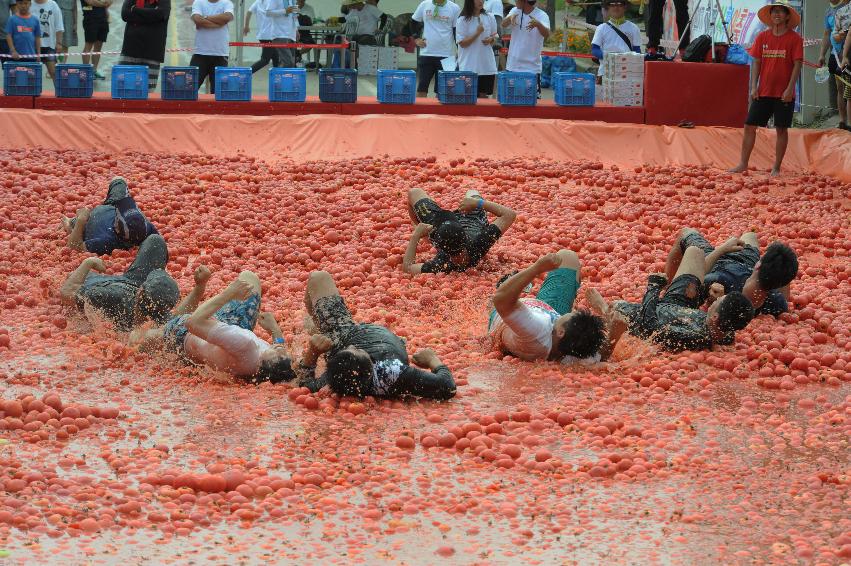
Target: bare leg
[751, 239]
[319, 284]
[96, 58]
[747, 148]
[414, 196]
[251, 278]
[780, 151]
[842, 104]
[675, 256]
[570, 260]
[87, 48]
[693, 263]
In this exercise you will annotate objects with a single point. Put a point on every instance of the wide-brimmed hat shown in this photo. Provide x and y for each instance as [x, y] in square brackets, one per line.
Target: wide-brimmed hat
[764, 13]
[352, 2]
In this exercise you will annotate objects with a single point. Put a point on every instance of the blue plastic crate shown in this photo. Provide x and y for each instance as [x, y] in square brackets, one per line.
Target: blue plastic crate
[179, 83]
[396, 87]
[574, 89]
[287, 85]
[233, 83]
[130, 82]
[338, 85]
[74, 80]
[21, 79]
[457, 87]
[517, 89]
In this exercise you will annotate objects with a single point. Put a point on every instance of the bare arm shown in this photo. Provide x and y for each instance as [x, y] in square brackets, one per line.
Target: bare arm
[506, 297]
[201, 321]
[190, 301]
[730, 246]
[468, 41]
[789, 95]
[71, 285]
[756, 66]
[221, 19]
[202, 22]
[408, 265]
[268, 323]
[504, 216]
[75, 238]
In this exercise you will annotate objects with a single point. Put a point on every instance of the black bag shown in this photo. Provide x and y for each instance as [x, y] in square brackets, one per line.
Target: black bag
[697, 49]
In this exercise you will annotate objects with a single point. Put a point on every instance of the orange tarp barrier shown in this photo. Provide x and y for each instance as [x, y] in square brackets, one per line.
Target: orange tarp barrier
[302, 138]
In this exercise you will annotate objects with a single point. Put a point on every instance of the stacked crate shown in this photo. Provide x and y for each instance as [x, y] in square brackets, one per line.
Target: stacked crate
[623, 79]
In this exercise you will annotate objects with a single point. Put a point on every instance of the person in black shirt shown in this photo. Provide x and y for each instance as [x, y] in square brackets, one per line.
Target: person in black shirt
[763, 280]
[462, 237]
[364, 359]
[145, 291]
[674, 320]
[96, 29]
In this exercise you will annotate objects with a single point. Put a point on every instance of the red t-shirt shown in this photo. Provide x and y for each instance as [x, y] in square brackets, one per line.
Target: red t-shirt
[777, 54]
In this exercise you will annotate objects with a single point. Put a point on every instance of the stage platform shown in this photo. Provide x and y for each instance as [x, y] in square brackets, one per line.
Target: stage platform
[260, 106]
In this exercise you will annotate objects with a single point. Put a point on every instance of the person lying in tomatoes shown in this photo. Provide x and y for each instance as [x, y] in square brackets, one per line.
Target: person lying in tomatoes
[674, 320]
[363, 359]
[763, 280]
[117, 224]
[461, 237]
[548, 327]
[220, 335]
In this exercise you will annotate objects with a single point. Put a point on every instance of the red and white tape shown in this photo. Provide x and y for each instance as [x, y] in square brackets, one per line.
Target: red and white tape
[189, 49]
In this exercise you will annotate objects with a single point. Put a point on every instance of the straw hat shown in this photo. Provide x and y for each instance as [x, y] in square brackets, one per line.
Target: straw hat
[352, 2]
[764, 13]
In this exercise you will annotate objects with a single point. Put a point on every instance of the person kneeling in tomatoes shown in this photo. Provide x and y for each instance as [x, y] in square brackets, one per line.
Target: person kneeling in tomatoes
[117, 224]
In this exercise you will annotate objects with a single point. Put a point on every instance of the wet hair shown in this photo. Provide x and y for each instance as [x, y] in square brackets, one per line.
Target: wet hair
[449, 237]
[778, 266]
[584, 334]
[275, 371]
[734, 312]
[348, 373]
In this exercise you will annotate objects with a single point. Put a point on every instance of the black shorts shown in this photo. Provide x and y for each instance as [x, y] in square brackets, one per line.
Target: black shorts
[697, 240]
[333, 319]
[95, 30]
[832, 65]
[429, 212]
[762, 109]
[683, 291]
[48, 51]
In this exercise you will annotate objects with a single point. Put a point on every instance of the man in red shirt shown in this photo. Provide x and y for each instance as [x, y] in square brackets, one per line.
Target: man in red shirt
[777, 53]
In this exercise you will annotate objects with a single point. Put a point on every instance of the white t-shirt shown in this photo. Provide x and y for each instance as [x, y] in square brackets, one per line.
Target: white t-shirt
[495, 8]
[438, 22]
[210, 41]
[524, 51]
[307, 10]
[368, 19]
[527, 332]
[227, 348]
[610, 42]
[284, 26]
[50, 19]
[476, 57]
[264, 23]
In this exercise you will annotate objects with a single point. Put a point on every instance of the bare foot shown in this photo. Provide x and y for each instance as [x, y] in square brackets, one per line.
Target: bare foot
[596, 300]
[738, 169]
[66, 224]
[775, 172]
